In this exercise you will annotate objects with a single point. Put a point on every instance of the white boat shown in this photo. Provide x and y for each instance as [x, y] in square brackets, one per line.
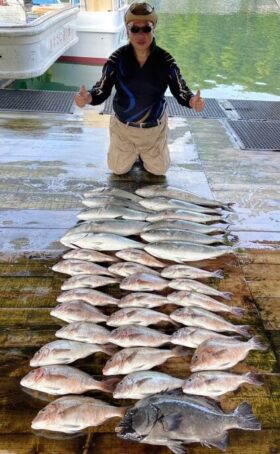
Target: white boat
[101, 30]
[29, 48]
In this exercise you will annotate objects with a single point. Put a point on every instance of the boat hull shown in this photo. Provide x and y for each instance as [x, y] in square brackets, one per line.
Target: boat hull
[28, 50]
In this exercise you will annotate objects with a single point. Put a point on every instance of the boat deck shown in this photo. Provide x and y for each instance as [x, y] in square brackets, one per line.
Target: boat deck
[46, 163]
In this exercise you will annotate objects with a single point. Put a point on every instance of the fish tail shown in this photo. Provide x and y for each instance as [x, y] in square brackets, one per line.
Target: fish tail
[251, 378]
[245, 418]
[108, 386]
[219, 274]
[238, 311]
[109, 349]
[226, 295]
[243, 330]
[228, 206]
[122, 411]
[181, 351]
[256, 344]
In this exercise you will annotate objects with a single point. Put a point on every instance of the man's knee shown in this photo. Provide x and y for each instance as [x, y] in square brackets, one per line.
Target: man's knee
[118, 168]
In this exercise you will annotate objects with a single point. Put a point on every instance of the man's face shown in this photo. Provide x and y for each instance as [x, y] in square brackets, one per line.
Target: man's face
[141, 40]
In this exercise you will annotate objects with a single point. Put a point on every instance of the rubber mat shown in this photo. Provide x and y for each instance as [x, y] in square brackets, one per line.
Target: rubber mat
[36, 101]
[174, 109]
[257, 135]
[256, 110]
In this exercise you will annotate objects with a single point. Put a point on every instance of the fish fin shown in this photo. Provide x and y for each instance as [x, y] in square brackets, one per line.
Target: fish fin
[238, 311]
[171, 422]
[219, 442]
[226, 295]
[181, 351]
[250, 377]
[243, 330]
[257, 344]
[177, 447]
[109, 385]
[109, 349]
[219, 274]
[228, 206]
[245, 417]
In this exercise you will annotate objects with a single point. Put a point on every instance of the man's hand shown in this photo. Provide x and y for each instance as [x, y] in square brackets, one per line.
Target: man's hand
[196, 102]
[83, 97]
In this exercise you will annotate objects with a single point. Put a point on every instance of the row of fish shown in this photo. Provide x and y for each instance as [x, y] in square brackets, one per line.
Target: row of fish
[175, 226]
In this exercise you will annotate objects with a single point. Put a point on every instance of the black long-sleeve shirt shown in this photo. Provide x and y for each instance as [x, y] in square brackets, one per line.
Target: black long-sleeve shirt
[140, 90]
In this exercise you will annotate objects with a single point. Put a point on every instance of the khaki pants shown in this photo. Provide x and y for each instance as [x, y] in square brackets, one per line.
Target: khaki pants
[128, 142]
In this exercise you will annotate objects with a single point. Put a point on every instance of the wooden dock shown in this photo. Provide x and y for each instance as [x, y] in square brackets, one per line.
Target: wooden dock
[46, 163]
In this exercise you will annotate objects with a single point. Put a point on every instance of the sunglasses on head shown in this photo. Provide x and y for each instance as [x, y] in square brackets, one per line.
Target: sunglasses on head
[141, 9]
[136, 29]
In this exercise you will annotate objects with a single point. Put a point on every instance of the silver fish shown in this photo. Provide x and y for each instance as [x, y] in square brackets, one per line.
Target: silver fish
[142, 282]
[84, 332]
[186, 215]
[71, 414]
[59, 380]
[100, 241]
[124, 227]
[135, 359]
[214, 383]
[146, 300]
[137, 336]
[91, 296]
[66, 351]
[194, 316]
[171, 420]
[192, 285]
[192, 337]
[164, 203]
[126, 269]
[182, 251]
[137, 316]
[139, 256]
[78, 311]
[179, 235]
[76, 267]
[184, 225]
[112, 212]
[87, 280]
[94, 202]
[190, 272]
[220, 354]
[88, 255]
[190, 299]
[112, 192]
[145, 383]
[179, 194]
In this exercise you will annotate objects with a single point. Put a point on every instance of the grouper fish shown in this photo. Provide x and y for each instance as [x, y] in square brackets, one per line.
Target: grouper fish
[172, 419]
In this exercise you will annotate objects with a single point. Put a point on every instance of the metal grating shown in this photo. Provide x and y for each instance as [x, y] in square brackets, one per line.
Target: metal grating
[212, 109]
[174, 109]
[257, 135]
[36, 101]
[256, 110]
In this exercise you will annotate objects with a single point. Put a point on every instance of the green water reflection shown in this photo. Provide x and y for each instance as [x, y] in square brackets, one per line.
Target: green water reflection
[228, 48]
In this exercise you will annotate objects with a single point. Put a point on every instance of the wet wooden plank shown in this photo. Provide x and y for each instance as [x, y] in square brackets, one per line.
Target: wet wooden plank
[258, 256]
[26, 338]
[269, 311]
[28, 317]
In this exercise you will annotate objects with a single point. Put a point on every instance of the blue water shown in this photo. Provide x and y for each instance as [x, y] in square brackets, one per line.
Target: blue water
[227, 48]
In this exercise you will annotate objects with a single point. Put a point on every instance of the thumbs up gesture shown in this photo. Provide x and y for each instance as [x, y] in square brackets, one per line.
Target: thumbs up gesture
[83, 97]
[196, 102]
